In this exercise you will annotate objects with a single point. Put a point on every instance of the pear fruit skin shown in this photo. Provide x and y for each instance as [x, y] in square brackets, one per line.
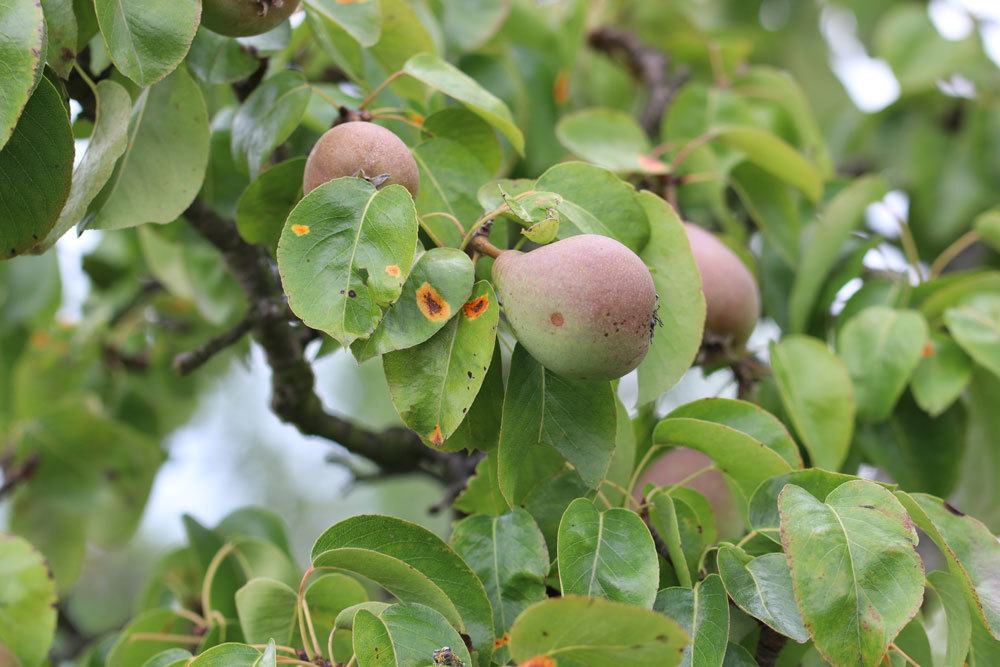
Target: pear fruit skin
[732, 299]
[360, 146]
[243, 18]
[583, 306]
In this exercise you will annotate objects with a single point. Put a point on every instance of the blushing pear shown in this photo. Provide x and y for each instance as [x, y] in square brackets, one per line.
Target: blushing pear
[732, 299]
[360, 148]
[584, 307]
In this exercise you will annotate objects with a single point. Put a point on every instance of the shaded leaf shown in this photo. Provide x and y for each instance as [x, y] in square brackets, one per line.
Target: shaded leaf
[61, 35]
[975, 325]
[704, 614]
[762, 587]
[776, 157]
[27, 602]
[266, 610]
[609, 138]
[404, 635]
[361, 19]
[942, 374]
[214, 58]
[948, 589]
[128, 652]
[450, 176]
[265, 204]
[23, 26]
[267, 118]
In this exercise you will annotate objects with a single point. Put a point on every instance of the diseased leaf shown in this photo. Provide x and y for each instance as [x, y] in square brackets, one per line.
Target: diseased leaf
[23, 26]
[344, 253]
[61, 35]
[607, 554]
[434, 384]
[943, 372]
[857, 576]
[27, 602]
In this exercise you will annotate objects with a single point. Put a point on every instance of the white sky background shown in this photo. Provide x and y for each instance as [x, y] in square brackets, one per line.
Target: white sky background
[201, 478]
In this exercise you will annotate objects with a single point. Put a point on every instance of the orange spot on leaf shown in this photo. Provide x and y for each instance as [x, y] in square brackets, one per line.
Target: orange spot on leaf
[928, 351]
[539, 661]
[40, 339]
[392, 270]
[557, 319]
[501, 641]
[300, 230]
[476, 307]
[652, 165]
[436, 437]
[560, 87]
[416, 118]
[431, 304]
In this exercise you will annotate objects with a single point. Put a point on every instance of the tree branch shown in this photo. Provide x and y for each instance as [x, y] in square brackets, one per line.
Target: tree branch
[647, 64]
[187, 362]
[294, 398]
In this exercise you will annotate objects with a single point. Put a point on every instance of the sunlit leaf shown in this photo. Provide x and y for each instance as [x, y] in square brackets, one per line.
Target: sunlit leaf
[147, 39]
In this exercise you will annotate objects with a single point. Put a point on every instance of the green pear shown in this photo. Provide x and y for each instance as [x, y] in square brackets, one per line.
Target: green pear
[732, 300]
[584, 307]
[243, 18]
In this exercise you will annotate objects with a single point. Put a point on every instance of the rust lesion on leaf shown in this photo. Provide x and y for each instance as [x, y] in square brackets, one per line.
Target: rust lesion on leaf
[560, 87]
[476, 307]
[393, 270]
[501, 641]
[436, 437]
[300, 230]
[431, 304]
[928, 351]
[539, 661]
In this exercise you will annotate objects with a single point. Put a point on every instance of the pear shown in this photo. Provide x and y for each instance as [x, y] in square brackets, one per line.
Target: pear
[359, 148]
[584, 307]
[243, 18]
[732, 300]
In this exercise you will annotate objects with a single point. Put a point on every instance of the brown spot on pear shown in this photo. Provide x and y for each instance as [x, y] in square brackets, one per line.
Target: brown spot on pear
[357, 148]
[243, 18]
[732, 299]
[581, 306]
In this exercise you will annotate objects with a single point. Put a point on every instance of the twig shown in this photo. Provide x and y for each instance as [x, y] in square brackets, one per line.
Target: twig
[951, 252]
[649, 65]
[187, 362]
[15, 475]
[661, 546]
[769, 646]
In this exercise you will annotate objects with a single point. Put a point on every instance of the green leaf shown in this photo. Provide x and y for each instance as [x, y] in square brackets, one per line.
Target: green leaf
[147, 39]
[609, 138]
[27, 602]
[441, 75]
[344, 253]
[482, 492]
[468, 129]
[61, 35]
[128, 652]
[987, 225]
[837, 220]
[585, 632]
[818, 395]
[404, 635]
[943, 373]
[23, 26]
[763, 509]
[972, 552]
[738, 454]
[595, 201]
[920, 453]
[704, 614]
[858, 578]
[172, 657]
[450, 176]
[776, 157]
[214, 58]
[975, 325]
[679, 526]
[267, 118]
[441, 278]
[414, 565]
[40, 154]
[107, 143]
[164, 165]
[748, 418]
[481, 427]
[771, 206]
[509, 556]
[681, 305]
[977, 492]
[267, 201]
[762, 587]
[361, 20]
[468, 24]
[434, 384]
[881, 347]
[255, 522]
[403, 35]
[607, 554]
[229, 655]
[266, 610]
[326, 597]
[542, 412]
[950, 596]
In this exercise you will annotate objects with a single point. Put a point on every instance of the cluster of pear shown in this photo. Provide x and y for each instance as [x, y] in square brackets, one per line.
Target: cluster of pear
[585, 306]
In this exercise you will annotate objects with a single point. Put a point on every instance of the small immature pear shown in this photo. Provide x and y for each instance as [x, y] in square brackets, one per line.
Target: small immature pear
[583, 306]
[359, 148]
[732, 299]
[243, 18]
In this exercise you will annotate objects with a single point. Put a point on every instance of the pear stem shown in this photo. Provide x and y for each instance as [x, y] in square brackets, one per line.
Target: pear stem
[481, 243]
